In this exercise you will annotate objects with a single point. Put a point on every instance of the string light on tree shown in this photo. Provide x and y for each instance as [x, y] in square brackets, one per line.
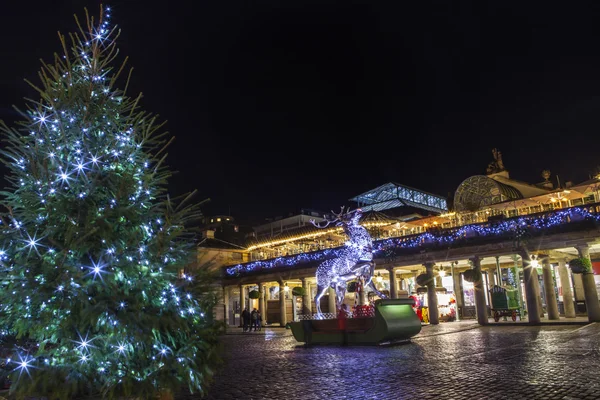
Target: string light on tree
[92, 243]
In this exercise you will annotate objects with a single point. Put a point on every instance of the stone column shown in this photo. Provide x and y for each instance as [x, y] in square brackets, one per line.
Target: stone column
[480, 306]
[306, 299]
[432, 302]
[242, 302]
[589, 288]
[282, 308]
[331, 301]
[262, 304]
[498, 272]
[531, 294]
[457, 288]
[393, 286]
[226, 305]
[551, 303]
[565, 282]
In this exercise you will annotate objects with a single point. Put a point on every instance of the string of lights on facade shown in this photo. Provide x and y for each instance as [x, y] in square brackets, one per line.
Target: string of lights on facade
[517, 227]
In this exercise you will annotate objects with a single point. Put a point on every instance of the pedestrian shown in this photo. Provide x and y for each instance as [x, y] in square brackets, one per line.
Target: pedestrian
[258, 320]
[245, 319]
[253, 319]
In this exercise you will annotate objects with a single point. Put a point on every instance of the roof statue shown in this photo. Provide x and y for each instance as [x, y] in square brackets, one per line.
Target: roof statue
[546, 174]
[497, 165]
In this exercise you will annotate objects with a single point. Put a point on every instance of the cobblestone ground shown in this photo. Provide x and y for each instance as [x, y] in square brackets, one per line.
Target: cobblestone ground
[462, 362]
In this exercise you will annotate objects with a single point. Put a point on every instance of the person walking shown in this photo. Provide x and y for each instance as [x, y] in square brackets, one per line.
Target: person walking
[245, 319]
[253, 319]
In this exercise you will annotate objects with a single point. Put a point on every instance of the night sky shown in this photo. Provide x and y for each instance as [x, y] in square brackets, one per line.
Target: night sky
[281, 105]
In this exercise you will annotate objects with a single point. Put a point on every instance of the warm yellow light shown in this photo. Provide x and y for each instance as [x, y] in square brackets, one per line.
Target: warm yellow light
[448, 214]
[566, 191]
[292, 239]
[425, 225]
[286, 288]
[442, 273]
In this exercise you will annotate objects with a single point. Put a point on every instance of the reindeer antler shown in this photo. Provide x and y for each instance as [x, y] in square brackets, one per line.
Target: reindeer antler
[312, 221]
[338, 217]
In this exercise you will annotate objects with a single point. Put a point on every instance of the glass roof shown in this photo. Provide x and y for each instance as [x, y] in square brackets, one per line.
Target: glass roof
[392, 195]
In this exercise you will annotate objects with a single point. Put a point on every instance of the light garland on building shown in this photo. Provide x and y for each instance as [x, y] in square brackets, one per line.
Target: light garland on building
[518, 227]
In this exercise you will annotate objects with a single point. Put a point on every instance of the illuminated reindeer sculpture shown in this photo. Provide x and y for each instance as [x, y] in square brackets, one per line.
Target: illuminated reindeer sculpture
[354, 261]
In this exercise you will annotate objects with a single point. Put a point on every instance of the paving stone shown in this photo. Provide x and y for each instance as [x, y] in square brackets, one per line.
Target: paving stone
[449, 361]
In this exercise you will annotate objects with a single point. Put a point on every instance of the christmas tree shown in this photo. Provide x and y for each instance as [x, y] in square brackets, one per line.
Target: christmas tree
[91, 246]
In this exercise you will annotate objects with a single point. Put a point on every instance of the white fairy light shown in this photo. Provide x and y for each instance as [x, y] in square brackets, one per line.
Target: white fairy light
[24, 364]
[84, 343]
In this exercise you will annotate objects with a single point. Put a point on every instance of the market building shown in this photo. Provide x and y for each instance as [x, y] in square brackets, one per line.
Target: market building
[512, 234]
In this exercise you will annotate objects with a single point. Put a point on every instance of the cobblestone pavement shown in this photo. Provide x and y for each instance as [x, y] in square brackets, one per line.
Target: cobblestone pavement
[450, 361]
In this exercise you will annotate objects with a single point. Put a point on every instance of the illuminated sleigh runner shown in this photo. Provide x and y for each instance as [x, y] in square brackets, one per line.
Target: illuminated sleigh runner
[393, 320]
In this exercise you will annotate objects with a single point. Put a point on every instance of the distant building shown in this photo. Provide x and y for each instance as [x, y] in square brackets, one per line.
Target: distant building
[280, 225]
[227, 229]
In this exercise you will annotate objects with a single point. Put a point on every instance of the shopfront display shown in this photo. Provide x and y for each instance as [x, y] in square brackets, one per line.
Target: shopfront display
[446, 305]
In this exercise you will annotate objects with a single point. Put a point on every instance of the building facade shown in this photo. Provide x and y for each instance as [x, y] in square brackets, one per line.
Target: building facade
[513, 234]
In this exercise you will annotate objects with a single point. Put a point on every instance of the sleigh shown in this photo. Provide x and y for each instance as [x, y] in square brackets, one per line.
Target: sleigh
[394, 322]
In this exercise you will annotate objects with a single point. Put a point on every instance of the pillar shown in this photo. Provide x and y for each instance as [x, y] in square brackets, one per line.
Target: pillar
[551, 303]
[432, 302]
[589, 287]
[262, 304]
[536, 280]
[531, 294]
[226, 305]
[331, 301]
[498, 272]
[242, 302]
[393, 286]
[480, 305]
[565, 282]
[282, 313]
[307, 298]
[458, 289]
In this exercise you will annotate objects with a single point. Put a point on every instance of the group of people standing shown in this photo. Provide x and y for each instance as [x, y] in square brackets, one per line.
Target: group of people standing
[251, 320]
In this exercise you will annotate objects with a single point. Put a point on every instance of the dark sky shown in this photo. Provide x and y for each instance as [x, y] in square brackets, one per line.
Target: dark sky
[280, 105]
